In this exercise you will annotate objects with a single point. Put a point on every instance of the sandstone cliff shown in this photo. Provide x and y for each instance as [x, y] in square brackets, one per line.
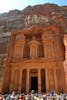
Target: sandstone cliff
[39, 14]
[47, 14]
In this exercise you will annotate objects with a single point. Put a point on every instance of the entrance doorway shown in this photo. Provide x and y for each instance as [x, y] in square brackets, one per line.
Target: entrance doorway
[34, 83]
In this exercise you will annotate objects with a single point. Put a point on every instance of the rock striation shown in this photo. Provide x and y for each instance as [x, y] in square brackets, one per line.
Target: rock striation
[34, 15]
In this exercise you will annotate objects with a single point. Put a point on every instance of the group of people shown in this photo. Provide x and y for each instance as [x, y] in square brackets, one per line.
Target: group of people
[34, 96]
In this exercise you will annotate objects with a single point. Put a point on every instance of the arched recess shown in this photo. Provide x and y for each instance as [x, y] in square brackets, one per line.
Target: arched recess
[26, 51]
[43, 83]
[41, 51]
[24, 75]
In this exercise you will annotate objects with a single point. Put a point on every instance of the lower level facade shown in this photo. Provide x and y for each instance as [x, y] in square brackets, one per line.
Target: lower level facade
[37, 75]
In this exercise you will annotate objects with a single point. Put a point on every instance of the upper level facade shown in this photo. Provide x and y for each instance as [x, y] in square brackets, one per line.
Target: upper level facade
[44, 43]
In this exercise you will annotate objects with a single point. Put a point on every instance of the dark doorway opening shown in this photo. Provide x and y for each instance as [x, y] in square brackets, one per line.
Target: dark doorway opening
[34, 83]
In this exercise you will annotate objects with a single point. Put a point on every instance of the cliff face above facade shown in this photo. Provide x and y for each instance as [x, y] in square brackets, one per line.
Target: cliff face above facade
[46, 14]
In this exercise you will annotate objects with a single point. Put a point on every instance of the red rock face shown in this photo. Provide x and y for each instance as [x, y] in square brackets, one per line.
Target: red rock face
[37, 54]
[48, 19]
[34, 15]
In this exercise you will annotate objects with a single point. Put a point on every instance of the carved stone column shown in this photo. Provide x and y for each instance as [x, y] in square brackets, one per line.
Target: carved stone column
[11, 47]
[12, 79]
[45, 44]
[55, 79]
[39, 80]
[22, 50]
[47, 80]
[27, 81]
[20, 80]
[22, 43]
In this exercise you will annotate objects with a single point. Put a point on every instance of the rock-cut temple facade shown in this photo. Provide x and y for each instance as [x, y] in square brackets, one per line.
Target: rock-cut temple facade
[36, 60]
